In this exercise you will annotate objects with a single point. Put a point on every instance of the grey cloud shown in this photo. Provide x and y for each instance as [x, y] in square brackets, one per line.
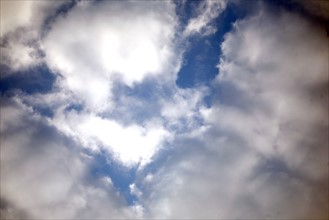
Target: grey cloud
[21, 24]
[317, 10]
[10, 211]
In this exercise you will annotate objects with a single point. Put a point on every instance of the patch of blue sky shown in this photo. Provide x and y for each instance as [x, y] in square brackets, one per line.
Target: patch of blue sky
[74, 107]
[185, 10]
[121, 176]
[33, 80]
[104, 165]
[203, 53]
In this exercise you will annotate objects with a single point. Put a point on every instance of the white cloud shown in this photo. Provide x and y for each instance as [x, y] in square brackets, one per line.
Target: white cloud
[44, 175]
[207, 12]
[258, 152]
[111, 41]
[119, 36]
[129, 144]
[264, 153]
[134, 190]
[183, 105]
[148, 177]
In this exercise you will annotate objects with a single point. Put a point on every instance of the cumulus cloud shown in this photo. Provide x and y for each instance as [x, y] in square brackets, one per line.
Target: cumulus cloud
[92, 79]
[110, 41]
[264, 153]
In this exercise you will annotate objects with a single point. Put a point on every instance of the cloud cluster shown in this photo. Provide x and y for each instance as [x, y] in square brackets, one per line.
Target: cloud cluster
[94, 131]
[260, 150]
[124, 43]
[44, 174]
[110, 41]
[264, 152]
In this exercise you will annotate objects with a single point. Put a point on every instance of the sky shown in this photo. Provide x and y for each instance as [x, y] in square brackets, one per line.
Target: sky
[164, 109]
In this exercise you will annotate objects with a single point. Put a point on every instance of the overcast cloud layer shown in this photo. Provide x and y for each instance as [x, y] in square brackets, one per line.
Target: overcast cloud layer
[94, 124]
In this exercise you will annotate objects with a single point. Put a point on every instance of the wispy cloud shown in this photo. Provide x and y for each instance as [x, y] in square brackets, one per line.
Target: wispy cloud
[207, 11]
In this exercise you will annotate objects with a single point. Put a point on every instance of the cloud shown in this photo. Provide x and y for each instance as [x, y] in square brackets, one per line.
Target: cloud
[264, 150]
[97, 103]
[111, 41]
[288, 89]
[21, 23]
[24, 14]
[182, 110]
[207, 11]
[45, 174]
[259, 151]
[94, 132]
[317, 8]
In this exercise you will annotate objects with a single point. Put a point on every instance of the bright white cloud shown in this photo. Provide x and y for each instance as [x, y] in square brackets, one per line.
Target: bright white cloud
[110, 41]
[129, 144]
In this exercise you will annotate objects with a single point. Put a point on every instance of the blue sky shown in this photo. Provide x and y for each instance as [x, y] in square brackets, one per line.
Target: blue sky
[164, 109]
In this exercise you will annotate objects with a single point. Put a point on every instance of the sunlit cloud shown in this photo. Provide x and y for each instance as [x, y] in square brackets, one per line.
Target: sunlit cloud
[164, 110]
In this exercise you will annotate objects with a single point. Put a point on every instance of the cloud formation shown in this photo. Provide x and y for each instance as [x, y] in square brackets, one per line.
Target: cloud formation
[251, 143]
[44, 174]
[21, 25]
[110, 41]
[264, 152]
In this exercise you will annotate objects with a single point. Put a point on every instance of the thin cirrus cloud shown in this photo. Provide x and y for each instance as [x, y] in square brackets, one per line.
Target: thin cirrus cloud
[258, 149]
